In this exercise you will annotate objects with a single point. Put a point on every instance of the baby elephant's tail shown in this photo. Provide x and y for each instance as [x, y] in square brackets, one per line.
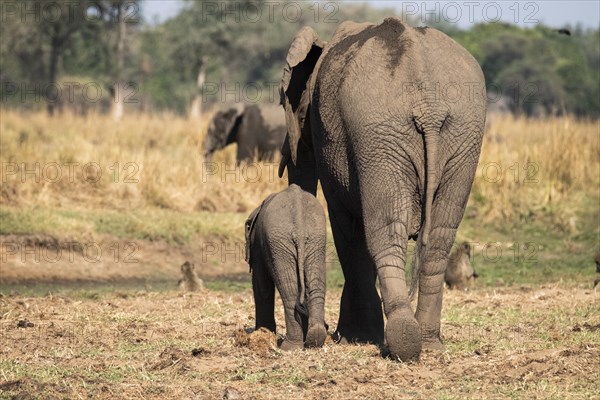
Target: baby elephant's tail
[301, 305]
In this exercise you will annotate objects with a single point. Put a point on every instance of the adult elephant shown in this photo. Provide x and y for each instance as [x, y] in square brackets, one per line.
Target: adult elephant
[390, 119]
[257, 130]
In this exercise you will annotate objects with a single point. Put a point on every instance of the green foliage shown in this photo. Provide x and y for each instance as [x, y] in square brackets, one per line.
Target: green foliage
[57, 38]
[231, 47]
[538, 71]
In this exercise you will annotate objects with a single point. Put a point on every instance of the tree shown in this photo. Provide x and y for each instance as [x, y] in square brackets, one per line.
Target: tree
[57, 21]
[121, 8]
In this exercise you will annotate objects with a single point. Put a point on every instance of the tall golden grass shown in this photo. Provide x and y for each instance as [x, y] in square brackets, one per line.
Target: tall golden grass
[526, 166]
[532, 167]
[145, 161]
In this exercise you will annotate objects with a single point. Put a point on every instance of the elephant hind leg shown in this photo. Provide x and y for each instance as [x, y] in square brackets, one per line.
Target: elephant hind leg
[387, 211]
[295, 326]
[315, 336]
[447, 212]
[315, 279]
[431, 283]
[294, 335]
[361, 317]
[264, 297]
[286, 280]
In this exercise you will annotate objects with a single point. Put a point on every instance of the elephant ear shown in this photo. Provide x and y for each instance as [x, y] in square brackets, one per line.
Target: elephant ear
[301, 59]
[249, 226]
[231, 120]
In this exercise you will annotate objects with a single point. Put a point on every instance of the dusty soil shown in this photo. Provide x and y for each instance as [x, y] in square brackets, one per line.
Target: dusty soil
[506, 343]
[51, 258]
[512, 342]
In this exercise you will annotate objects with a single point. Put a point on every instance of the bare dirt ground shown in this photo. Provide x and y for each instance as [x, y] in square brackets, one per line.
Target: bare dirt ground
[519, 342]
[104, 258]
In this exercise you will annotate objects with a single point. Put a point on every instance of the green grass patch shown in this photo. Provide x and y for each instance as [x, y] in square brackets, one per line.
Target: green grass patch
[91, 290]
[536, 250]
[144, 224]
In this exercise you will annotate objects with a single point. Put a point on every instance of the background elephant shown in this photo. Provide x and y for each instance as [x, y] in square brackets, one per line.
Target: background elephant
[370, 114]
[257, 130]
[285, 247]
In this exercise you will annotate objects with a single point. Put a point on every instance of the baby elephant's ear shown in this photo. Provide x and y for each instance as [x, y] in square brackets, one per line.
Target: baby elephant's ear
[249, 226]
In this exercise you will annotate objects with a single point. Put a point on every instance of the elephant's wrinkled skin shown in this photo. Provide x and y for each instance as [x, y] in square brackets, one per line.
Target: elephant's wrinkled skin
[390, 119]
[258, 131]
[285, 247]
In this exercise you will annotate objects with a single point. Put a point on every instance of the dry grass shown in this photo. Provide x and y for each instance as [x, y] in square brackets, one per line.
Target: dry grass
[502, 343]
[144, 161]
[526, 166]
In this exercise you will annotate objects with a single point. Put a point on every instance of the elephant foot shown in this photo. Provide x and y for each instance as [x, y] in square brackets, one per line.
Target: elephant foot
[315, 336]
[338, 338]
[434, 345]
[345, 335]
[348, 338]
[291, 345]
[430, 335]
[403, 336]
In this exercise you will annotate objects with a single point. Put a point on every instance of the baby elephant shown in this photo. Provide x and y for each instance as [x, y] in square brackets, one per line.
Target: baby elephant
[285, 247]
[459, 272]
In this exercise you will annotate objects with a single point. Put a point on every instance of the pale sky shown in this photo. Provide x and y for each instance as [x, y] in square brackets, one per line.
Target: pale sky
[554, 13]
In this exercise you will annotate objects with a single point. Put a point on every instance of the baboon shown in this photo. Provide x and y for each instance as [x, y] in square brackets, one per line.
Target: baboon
[459, 272]
[189, 281]
[597, 260]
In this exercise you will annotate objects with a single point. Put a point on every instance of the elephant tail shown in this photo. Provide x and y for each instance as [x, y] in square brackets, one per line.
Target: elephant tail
[301, 305]
[300, 237]
[432, 177]
[431, 134]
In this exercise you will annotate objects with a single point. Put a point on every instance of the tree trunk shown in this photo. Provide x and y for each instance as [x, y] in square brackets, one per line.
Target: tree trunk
[50, 101]
[118, 96]
[196, 107]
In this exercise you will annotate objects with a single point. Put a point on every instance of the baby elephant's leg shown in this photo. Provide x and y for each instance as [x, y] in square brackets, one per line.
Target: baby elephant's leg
[315, 288]
[286, 280]
[264, 297]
